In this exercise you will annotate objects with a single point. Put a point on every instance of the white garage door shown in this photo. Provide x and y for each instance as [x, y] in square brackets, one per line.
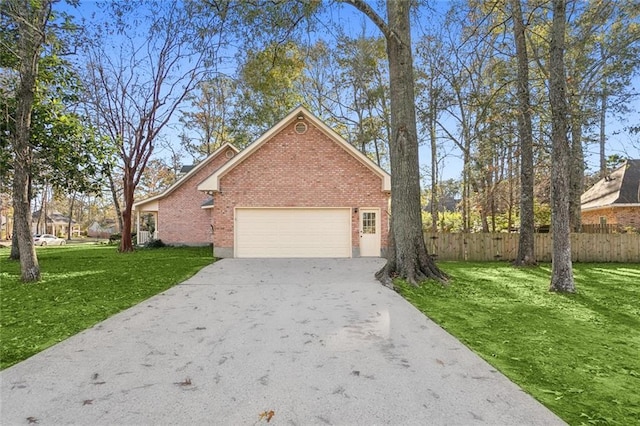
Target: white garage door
[292, 232]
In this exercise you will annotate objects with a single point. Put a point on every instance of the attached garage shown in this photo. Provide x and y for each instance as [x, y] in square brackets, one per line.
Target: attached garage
[300, 190]
[292, 232]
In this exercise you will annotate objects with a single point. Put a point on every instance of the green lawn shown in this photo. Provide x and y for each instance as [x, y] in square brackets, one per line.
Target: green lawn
[578, 354]
[81, 286]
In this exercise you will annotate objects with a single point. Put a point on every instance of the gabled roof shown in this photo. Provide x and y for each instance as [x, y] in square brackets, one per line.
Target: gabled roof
[621, 187]
[192, 171]
[53, 217]
[212, 183]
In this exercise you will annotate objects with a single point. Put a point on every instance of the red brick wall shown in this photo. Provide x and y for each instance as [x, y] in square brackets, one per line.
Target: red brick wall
[293, 170]
[181, 220]
[623, 216]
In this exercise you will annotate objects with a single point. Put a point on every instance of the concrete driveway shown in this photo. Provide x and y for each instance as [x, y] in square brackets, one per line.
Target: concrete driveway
[315, 341]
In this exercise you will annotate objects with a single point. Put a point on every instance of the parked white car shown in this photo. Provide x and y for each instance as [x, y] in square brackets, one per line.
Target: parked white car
[48, 239]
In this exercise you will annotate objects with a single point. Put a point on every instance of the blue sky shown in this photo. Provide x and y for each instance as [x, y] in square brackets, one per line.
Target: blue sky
[352, 21]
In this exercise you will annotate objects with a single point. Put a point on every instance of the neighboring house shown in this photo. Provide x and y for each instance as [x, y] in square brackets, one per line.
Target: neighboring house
[102, 229]
[55, 223]
[445, 204]
[300, 190]
[615, 199]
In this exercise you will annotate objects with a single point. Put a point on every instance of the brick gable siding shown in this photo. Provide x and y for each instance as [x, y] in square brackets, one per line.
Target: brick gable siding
[181, 220]
[298, 170]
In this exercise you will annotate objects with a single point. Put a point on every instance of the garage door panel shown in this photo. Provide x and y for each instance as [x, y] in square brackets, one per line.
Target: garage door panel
[293, 232]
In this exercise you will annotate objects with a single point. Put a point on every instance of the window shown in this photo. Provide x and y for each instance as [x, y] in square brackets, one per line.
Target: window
[368, 223]
[603, 220]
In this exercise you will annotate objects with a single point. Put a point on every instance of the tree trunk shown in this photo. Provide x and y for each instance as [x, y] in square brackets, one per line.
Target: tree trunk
[126, 244]
[493, 211]
[73, 200]
[576, 179]
[603, 118]
[511, 185]
[562, 270]
[15, 250]
[411, 260]
[526, 252]
[407, 253]
[602, 136]
[32, 20]
[116, 201]
[435, 208]
[466, 193]
[22, 216]
[42, 210]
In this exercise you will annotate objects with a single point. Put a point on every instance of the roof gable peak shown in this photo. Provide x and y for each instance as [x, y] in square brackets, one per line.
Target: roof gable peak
[192, 171]
[300, 113]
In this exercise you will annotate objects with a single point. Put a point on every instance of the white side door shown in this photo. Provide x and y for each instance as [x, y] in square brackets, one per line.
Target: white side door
[370, 232]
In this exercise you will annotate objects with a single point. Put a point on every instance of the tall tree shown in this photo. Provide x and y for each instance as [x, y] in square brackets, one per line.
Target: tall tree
[526, 253]
[270, 80]
[207, 122]
[362, 84]
[136, 86]
[317, 86]
[562, 270]
[157, 176]
[408, 257]
[430, 106]
[31, 18]
[476, 78]
[346, 85]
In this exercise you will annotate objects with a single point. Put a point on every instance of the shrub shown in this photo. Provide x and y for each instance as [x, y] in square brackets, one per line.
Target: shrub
[115, 238]
[154, 244]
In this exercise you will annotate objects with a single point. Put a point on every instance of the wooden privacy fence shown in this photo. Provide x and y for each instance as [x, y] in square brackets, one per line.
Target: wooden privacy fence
[497, 246]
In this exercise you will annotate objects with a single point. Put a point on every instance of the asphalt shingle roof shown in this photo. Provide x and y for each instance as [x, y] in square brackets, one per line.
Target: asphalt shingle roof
[622, 186]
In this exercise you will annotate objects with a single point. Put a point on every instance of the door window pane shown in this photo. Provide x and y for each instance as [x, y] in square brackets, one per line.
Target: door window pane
[368, 222]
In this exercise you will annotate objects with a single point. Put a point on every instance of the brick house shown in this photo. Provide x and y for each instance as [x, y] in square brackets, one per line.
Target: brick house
[615, 199]
[53, 223]
[299, 190]
[181, 213]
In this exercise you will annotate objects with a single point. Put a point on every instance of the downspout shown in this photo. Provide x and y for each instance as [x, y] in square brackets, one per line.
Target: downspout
[213, 247]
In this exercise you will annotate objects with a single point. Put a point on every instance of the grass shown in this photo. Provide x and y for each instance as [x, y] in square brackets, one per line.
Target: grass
[577, 354]
[81, 286]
